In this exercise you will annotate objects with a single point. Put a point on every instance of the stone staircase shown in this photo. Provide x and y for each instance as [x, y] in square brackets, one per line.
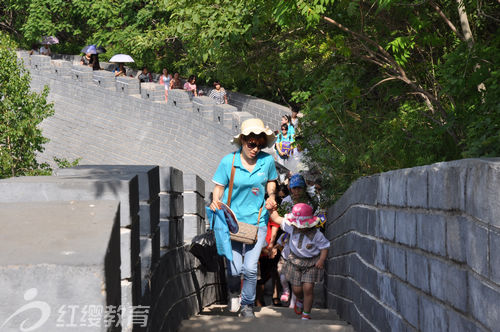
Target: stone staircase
[218, 318]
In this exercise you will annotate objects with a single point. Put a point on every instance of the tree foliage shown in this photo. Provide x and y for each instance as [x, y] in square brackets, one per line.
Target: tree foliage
[21, 110]
[383, 84]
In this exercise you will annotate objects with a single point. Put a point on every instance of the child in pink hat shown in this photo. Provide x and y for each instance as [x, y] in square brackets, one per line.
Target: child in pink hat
[308, 251]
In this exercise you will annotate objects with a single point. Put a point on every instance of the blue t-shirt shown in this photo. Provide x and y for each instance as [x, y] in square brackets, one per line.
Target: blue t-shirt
[248, 188]
[291, 130]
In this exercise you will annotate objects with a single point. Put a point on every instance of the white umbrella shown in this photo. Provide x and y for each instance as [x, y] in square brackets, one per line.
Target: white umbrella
[121, 58]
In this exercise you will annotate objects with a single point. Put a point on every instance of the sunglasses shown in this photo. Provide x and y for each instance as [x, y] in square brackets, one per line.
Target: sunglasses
[253, 145]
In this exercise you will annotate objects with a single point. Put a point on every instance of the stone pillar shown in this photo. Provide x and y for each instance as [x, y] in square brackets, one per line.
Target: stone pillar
[128, 86]
[153, 91]
[181, 99]
[204, 106]
[194, 206]
[104, 79]
[171, 209]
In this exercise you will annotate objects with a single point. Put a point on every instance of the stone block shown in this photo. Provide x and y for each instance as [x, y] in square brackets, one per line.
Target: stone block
[104, 79]
[171, 180]
[223, 111]
[398, 191]
[396, 261]
[126, 247]
[431, 233]
[148, 176]
[126, 86]
[169, 232]
[82, 74]
[482, 193]
[446, 186]
[408, 303]
[494, 260]
[416, 187]
[194, 204]
[63, 244]
[456, 228]
[193, 182]
[448, 283]
[457, 322]
[483, 302]
[179, 97]
[238, 118]
[406, 228]
[127, 303]
[61, 68]
[388, 290]
[149, 217]
[54, 188]
[204, 107]
[171, 205]
[40, 64]
[153, 91]
[432, 316]
[417, 270]
[386, 224]
[477, 247]
[384, 186]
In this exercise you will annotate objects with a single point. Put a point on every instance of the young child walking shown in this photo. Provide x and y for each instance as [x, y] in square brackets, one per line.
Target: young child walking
[308, 252]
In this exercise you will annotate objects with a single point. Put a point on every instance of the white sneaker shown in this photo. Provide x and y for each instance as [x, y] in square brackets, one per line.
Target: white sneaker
[234, 302]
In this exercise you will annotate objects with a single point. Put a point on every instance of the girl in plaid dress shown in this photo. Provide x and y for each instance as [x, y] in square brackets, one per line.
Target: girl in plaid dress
[308, 251]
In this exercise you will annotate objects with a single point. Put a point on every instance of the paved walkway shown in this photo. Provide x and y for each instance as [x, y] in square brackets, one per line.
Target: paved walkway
[275, 319]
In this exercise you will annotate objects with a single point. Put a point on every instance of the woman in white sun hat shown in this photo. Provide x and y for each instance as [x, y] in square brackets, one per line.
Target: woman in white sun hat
[255, 174]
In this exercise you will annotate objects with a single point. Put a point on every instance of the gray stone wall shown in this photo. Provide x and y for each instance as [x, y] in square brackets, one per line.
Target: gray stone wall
[130, 253]
[418, 249]
[107, 120]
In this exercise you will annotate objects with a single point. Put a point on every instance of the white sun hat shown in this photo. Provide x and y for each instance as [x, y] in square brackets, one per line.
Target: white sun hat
[257, 127]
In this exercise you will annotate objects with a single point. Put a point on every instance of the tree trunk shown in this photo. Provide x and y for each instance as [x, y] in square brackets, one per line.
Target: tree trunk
[464, 22]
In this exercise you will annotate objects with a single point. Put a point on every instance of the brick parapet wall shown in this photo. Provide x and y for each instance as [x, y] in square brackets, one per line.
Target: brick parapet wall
[107, 120]
[418, 249]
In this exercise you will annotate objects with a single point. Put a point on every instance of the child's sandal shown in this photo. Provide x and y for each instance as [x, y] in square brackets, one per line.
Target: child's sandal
[299, 307]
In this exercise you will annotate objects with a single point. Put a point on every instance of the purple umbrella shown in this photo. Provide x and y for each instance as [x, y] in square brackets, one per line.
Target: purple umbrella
[50, 40]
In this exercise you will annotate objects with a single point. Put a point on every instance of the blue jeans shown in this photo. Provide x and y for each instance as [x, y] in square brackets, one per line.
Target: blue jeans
[245, 262]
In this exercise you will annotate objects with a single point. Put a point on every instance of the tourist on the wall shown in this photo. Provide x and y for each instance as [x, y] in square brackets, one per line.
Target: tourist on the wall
[286, 119]
[45, 50]
[145, 76]
[254, 175]
[165, 79]
[190, 86]
[120, 70]
[175, 82]
[94, 62]
[85, 59]
[295, 119]
[284, 145]
[218, 94]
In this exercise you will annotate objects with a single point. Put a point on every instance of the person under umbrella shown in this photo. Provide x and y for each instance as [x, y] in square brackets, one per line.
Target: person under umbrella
[46, 41]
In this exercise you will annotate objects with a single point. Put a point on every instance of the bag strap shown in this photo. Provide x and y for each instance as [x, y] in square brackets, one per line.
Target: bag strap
[231, 181]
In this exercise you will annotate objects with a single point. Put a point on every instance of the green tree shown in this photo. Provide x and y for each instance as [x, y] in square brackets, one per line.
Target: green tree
[21, 111]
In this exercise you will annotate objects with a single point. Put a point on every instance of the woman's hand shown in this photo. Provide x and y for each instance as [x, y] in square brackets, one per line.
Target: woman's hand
[271, 203]
[214, 205]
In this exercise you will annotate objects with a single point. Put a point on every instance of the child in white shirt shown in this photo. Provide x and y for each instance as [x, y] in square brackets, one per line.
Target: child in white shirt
[308, 252]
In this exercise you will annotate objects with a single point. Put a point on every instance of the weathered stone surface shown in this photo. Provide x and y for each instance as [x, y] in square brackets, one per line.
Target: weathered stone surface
[77, 243]
[194, 204]
[193, 182]
[446, 186]
[408, 303]
[448, 283]
[432, 316]
[418, 270]
[456, 235]
[171, 180]
[406, 228]
[386, 226]
[417, 187]
[171, 205]
[483, 302]
[495, 256]
[477, 247]
[431, 233]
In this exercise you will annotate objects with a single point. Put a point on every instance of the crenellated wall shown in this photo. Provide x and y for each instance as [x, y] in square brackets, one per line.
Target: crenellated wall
[418, 249]
[106, 120]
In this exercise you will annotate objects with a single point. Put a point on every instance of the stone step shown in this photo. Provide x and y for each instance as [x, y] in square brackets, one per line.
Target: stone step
[218, 318]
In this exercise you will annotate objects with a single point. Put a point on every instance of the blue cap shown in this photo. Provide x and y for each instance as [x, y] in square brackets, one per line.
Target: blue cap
[297, 180]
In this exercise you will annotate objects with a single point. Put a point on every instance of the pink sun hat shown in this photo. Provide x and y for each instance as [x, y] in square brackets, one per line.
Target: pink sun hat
[302, 216]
